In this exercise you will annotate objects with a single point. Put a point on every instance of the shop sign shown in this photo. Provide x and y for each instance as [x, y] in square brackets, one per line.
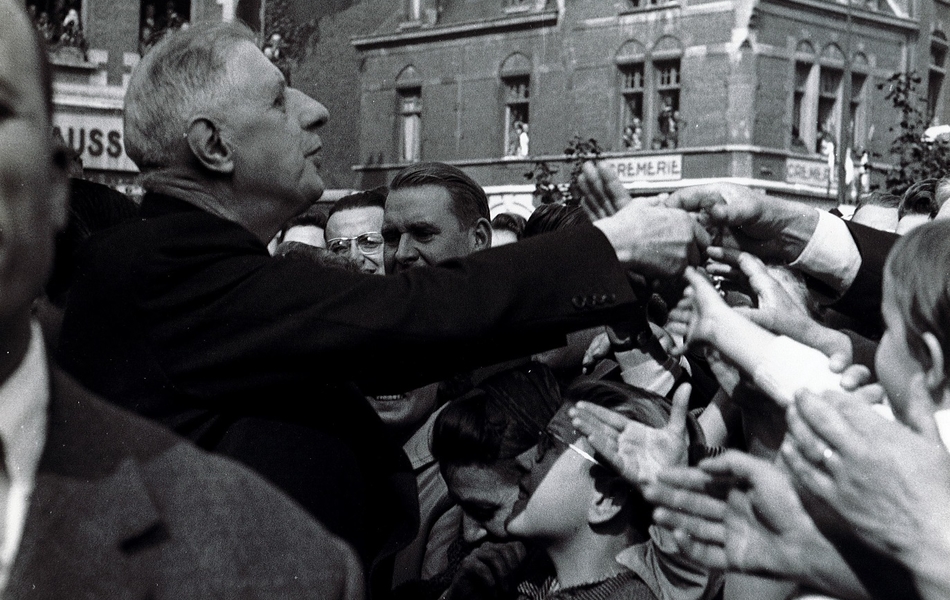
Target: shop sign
[633, 169]
[815, 173]
[97, 138]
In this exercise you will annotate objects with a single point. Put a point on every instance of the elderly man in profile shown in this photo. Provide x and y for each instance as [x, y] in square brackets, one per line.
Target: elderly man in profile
[184, 317]
[95, 502]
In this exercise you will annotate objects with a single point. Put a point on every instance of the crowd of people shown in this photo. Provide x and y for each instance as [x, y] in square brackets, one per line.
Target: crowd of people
[223, 392]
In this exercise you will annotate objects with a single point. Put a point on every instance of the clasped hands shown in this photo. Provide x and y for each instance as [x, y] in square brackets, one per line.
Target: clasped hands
[660, 236]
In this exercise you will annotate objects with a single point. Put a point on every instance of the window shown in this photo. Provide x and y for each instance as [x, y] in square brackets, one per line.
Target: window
[517, 95]
[668, 103]
[59, 23]
[938, 56]
[156, 17]
[632, 89]
[650, 100]
[637, 4]
[858, 121]
[410, 125]
[516, 5]
[414, 12]
[829, 95]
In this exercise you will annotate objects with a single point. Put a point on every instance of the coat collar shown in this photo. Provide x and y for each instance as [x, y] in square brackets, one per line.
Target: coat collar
[90, 495]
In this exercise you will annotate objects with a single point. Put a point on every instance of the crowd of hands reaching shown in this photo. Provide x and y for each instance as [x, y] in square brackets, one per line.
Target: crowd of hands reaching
[825, 477]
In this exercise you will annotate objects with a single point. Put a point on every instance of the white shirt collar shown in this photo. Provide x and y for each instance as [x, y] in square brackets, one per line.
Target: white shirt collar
[24, 398]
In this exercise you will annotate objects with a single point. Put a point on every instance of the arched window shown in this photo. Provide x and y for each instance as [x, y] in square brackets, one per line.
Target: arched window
[649, 87]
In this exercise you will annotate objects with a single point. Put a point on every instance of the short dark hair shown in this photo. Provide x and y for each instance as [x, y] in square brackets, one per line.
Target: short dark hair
[920, 199]
[499, 419]
[509, 222]
[469, 201]
[878, 198]
[552, 217]
[368, 198]
[315, 215]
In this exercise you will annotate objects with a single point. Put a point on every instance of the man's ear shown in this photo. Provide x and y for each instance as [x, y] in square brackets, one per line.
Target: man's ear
[209, 147]
[607, 501]
[482, 234]
[935, 375]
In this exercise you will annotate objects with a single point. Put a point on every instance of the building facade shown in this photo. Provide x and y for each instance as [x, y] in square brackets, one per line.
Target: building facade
[675, 91]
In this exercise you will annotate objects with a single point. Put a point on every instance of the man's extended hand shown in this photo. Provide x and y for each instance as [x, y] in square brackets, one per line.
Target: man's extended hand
[768, 227]
[639, 452]
[736, 513]
[654, 240]
[889, 484]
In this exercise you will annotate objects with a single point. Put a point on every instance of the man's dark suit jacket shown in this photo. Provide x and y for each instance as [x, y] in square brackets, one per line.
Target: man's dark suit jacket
[124, 509]
[183, 317]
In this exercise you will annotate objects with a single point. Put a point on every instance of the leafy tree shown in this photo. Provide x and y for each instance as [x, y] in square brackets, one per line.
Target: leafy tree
[546, 188]
[916, 159]
[280, 19]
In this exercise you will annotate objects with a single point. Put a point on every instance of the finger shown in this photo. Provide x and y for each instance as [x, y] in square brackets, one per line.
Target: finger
[758, 275]
[712, 556]
[729, 256]
[698, 528]
[595, 189]
[722, 269]
[807, 476]
[615, 191]
[695, 503]
[854, 376]
[590, 200]
[827, 422]
[677, 422]
[606, 416]
[739, 465]
[808, 443]
[694, 198]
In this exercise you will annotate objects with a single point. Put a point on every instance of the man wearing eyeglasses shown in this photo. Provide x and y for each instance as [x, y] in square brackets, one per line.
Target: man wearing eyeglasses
[353, 230]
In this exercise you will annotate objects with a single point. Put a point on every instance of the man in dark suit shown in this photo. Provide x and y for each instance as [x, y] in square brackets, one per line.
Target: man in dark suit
[95, 502]
[183, 317]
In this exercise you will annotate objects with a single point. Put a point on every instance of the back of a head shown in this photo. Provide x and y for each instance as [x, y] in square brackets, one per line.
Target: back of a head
[315, 215]
[375, 197]
[918, 272]
[552, 217]
[498, 420]
[510, 222]
[878, 198]
[185, 72]
[469, 201]
[920, 198]
[93, 207]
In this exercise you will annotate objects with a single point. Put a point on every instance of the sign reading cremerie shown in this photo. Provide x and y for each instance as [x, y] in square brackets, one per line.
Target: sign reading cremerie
[631, 169]
[97, 138]
[809, 172]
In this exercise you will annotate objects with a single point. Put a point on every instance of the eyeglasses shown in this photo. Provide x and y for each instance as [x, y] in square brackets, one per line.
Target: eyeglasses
[552, 436]
[368, 243]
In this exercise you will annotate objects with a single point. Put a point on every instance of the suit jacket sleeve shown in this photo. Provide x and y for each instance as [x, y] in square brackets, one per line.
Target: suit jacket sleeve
[245, 321]
[863, 298]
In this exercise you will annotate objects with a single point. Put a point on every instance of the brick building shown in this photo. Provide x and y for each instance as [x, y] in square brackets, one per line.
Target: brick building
[676, 91]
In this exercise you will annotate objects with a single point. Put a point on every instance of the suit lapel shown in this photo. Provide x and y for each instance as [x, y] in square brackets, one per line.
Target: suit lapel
[88, 515]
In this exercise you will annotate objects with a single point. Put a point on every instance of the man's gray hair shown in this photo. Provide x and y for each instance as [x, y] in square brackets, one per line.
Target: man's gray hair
[182, 74]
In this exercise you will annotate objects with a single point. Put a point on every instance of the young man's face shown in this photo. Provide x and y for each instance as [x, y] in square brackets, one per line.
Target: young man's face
[557, 486]
[347, 224]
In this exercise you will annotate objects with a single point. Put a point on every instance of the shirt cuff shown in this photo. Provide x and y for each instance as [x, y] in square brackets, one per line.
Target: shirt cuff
[788, 366]
[831, 256]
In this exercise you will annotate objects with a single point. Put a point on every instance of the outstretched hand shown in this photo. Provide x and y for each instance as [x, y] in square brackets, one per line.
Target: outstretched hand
[770, 228]
[696, 316]
[736, 513]
[638, 452]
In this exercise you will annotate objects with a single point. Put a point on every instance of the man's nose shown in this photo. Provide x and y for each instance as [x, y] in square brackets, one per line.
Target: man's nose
[311, 113]
[525, 461]
[472, 530]
[406, 252]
